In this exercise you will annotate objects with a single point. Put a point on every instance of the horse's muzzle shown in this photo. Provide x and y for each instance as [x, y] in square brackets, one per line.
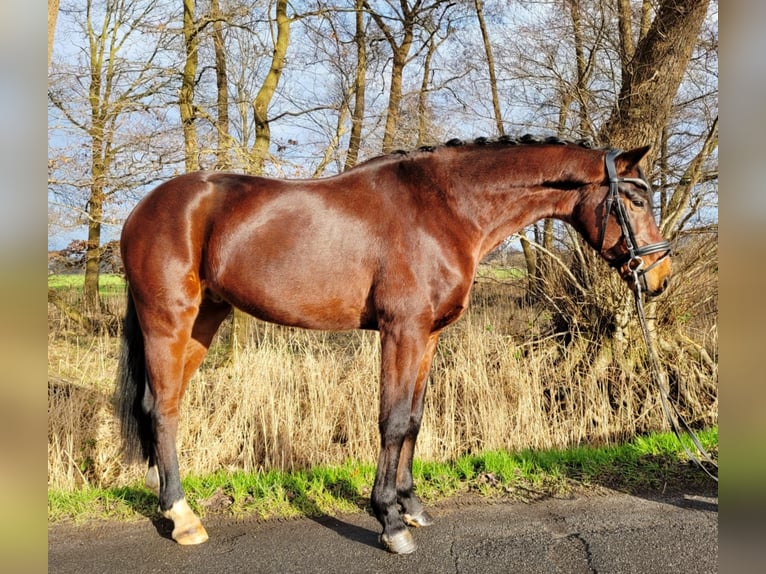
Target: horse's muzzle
[652, 281]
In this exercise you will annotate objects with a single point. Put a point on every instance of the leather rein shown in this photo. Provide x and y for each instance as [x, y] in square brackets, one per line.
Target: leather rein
[636, 265]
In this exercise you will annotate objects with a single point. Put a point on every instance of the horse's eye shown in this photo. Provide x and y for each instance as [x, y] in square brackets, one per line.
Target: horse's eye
[638, 202]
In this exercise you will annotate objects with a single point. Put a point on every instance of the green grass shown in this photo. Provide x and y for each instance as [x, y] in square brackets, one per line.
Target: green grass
[652, 463]
[107, 283]
[501, 273]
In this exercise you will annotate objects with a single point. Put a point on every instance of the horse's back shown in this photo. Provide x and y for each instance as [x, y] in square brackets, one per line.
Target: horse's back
[325, 254]
[283, 250]
[296, 253]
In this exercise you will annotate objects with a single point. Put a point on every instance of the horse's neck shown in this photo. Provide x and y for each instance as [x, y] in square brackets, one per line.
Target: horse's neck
[502, 199]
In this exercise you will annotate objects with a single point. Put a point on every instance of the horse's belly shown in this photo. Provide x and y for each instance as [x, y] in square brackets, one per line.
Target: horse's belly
[321, 300]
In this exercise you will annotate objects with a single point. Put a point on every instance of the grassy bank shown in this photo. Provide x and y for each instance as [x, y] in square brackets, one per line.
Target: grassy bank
[651, 463]
[108, 284]
[269, 429]
[293, 399]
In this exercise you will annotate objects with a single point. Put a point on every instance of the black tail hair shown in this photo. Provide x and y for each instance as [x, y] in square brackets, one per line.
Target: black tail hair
[135, 422]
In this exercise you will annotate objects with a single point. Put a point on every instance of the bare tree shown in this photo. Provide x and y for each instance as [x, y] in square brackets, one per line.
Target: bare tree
[114, 88]
[400, 43]
[683, 204]
[479, 5]
[399, 25]
[222, 89]
[437, 33]
[651, 77]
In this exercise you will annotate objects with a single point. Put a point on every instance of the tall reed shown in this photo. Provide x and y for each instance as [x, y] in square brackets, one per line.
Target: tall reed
[298, 398]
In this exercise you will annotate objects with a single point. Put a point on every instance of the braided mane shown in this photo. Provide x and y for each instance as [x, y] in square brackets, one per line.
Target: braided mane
[526, 139]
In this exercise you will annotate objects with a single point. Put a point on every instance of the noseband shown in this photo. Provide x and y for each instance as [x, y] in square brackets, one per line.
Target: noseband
[633, 255]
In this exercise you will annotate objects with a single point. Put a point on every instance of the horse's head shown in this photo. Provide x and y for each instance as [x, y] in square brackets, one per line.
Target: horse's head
[619, 223]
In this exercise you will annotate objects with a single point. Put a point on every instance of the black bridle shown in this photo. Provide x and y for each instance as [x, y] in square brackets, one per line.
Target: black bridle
[633, 253]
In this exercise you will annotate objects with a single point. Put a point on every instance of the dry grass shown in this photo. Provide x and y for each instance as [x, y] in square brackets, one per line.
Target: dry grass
[295, 398]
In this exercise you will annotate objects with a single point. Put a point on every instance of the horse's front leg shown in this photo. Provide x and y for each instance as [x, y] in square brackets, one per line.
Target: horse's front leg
[405, 359]
[413, 512]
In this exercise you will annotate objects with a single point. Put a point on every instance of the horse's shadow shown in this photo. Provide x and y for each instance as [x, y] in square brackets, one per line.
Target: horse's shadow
[340, 489]
[347, 530]
[145, 503]
[701, 505]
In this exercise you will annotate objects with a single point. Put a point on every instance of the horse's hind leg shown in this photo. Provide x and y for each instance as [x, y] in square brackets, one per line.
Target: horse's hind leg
[211, 315]
[171, 360]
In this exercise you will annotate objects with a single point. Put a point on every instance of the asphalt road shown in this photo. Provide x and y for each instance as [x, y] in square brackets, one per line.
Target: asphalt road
[609, 534]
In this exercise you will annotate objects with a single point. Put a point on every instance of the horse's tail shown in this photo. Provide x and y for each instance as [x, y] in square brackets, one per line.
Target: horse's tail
[135, 422]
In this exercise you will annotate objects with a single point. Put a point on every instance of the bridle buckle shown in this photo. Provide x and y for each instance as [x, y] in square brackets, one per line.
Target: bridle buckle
[636, 264]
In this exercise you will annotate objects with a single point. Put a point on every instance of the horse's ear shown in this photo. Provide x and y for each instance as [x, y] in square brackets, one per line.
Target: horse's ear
[627, 160]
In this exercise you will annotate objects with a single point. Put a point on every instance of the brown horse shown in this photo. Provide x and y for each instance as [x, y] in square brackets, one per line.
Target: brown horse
[392, 245]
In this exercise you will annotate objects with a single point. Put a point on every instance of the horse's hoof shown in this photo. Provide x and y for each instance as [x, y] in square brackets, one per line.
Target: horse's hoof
[195, 535]
[422, 518]
[399, 543]
[187, 528]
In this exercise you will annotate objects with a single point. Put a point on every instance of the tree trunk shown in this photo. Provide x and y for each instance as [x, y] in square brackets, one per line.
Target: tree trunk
[394, 98]
[98, 91]
[260, 148]
[99, 158]
[186, 94]
[652, 76]
[490, 67]
[332, 147]
[624, 21]
[584, 127]
[53, 12]
[360, 80]
[423, 138]
[399, 54]
[530, 258]
[222, 86]
[93, 249]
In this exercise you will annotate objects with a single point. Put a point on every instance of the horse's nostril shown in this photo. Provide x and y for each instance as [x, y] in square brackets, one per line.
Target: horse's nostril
[665, 283]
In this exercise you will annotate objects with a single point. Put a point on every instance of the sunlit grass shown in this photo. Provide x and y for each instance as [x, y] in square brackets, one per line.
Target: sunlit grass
[646, 463]
[271, 431]
[500, 273]
[107, 282]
